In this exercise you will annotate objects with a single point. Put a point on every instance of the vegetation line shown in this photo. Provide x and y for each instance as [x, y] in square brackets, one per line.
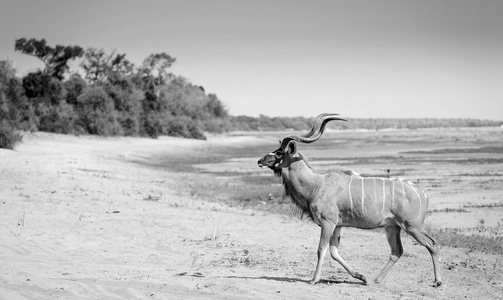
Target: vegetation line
[108, 95]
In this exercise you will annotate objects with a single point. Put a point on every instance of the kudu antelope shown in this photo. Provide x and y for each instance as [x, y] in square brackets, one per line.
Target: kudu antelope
[346, 199]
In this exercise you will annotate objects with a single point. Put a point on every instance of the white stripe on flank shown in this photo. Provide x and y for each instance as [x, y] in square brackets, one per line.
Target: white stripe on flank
[417, 197]
[350, 197]
[363, 199]
[383, 195]
[403, 189]
[392, 194]
[375, 191]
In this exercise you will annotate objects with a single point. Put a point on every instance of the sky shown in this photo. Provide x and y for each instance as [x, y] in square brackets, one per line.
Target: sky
[361, 59]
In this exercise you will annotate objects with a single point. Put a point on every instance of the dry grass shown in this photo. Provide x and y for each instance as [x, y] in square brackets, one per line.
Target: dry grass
[456, 238]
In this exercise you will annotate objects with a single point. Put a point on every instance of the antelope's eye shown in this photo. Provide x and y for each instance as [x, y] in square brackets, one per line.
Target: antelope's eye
[278, 154]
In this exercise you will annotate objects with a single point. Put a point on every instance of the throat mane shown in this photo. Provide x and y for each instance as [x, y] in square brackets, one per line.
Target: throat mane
[298, 205]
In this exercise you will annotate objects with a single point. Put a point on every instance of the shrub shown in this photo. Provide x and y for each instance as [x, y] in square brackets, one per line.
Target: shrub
[127, 102]
[11, 104]
[41, 88]
[216, 125]
[9, 136]
[58, 119]
[150, 124]
[19, 106]
[183, 126]
[96, 112]
[74, 87]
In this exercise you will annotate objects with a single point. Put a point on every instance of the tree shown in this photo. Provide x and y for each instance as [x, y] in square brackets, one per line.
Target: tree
[74, 86]
[156, 65]
[12, 97]
[41, 88]
[96, 112]
[215, 107]
[55, 59]
[101, 67]
[58, 119]
[127, 101]
[11, 105]
[153, 73]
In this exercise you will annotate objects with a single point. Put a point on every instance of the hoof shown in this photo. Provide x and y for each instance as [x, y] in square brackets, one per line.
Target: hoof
[313, 281]
[361, 277]
[437, 283]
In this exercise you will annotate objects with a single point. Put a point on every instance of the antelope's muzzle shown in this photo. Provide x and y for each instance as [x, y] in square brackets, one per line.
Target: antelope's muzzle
[266, 161]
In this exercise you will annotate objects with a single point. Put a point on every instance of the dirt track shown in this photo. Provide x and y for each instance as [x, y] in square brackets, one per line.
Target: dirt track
[79, 220]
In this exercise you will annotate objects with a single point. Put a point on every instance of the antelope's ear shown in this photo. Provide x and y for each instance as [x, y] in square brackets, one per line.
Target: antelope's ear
[292, 147]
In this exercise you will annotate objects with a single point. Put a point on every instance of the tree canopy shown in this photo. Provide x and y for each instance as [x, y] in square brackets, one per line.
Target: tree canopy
[113, 96]
[55, 58]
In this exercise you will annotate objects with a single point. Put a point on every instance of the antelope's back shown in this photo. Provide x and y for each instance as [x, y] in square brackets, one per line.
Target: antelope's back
[375, 199]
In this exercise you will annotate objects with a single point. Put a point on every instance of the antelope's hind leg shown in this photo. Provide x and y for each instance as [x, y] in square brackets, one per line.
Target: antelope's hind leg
[393, 236]
[429, 243]
[334, 251]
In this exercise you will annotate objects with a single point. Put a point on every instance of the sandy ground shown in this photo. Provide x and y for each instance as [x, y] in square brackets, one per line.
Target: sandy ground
[80, 220]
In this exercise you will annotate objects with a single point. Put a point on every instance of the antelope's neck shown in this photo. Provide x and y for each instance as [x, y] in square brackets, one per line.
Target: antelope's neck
[301, 180]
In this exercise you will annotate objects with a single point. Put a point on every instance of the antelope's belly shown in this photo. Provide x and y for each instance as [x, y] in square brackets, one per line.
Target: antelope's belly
[359, 219]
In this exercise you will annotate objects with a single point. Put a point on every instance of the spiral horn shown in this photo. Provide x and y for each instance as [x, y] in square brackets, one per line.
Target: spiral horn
[316, 131]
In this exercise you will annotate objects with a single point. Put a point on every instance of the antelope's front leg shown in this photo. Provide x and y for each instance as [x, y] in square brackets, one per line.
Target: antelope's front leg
[327, 229]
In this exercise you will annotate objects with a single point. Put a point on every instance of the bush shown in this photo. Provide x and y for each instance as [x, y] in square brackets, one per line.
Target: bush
[96, 112]
[18, 106]
[215, 125]
[127, 102]
[41, 88]
[9, 137]
[74, 87]
[11, 104]
[183, 127]
[150, 124]
[58, 119]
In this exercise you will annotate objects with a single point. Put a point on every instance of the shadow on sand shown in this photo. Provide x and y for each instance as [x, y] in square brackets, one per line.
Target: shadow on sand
[283, 279]
[288, 279]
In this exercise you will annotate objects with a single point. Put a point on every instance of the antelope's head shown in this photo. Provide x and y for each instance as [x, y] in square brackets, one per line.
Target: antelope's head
[286, 153]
